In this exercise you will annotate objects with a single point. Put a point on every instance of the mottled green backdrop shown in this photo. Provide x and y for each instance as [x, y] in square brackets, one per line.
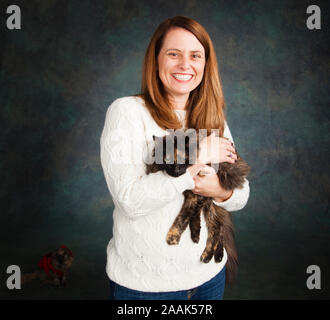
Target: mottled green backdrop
[73, 58]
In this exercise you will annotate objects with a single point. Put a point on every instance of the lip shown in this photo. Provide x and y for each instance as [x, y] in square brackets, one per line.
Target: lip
[182, 81]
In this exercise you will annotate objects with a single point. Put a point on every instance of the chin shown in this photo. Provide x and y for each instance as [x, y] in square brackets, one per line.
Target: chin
[182, 89]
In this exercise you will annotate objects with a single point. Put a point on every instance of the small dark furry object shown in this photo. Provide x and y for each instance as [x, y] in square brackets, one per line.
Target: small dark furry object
[218, 220]
[53, 268]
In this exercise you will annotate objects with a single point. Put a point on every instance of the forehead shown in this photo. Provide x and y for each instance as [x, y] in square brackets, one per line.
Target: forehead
[181, 39]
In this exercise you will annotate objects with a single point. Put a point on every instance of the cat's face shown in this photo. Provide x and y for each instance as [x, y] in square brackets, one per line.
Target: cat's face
[178, 151]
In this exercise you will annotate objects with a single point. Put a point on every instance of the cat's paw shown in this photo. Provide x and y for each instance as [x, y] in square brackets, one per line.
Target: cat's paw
[172, 240]
[218, 256]
[173, 236]
[206, 256]
[195, 238]
[218, 252]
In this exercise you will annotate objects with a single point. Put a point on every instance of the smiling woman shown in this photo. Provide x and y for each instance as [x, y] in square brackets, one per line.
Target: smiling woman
[180, 88]
[180, 45]
[181, 63]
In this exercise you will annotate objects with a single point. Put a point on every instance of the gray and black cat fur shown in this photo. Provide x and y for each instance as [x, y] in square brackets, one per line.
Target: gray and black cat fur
[218, 220]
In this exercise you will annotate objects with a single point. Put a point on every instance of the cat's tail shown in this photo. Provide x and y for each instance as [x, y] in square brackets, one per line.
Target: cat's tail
[28, 277]
[229, 244]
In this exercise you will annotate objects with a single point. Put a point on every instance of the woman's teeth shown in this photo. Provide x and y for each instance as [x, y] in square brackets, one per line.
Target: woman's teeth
[183, 77]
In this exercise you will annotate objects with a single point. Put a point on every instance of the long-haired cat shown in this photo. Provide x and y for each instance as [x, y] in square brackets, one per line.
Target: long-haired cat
[174, 161]
[53, 268]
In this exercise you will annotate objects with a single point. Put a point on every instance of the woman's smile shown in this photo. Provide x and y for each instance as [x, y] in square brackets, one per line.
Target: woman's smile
[182, 77]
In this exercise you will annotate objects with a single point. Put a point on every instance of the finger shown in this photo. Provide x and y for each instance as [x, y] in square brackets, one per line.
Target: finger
[232, 154]
[208, 170]
[231, 149]
[231, 142]
[199, 167]
[202, 173]
[195, 190]
[230, 160]
[226, 141]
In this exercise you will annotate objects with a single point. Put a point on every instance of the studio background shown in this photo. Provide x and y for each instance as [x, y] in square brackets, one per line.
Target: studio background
[72, 59]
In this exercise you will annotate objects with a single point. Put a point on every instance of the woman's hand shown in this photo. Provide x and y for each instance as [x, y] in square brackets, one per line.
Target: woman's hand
[200, 169]
[208, 185]
[195, 169]
[214, 149]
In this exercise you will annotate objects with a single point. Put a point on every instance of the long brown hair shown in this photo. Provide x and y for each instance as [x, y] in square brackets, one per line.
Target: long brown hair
[206, 104]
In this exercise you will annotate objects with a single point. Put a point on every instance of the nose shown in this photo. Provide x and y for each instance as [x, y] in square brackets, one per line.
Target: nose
[184, 62]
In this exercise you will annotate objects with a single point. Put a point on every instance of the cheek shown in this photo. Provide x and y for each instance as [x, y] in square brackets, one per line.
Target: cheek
[201, 70]
[163, 65]
[200, 73]
[163, 72]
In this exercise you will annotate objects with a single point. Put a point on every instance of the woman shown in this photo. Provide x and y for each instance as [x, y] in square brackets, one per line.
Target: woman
[180, 88]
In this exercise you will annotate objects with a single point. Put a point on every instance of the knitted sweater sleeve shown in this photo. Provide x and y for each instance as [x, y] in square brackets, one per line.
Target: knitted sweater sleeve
[240, 197]
[123, 147]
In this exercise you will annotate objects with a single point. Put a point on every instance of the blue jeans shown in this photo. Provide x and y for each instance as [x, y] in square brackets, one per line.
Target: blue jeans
[210, 290]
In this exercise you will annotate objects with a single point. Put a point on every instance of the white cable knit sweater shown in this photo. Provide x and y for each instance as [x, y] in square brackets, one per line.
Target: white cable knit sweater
[138, 256]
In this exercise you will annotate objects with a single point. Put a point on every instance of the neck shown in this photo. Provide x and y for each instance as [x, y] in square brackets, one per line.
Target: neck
[179, 102]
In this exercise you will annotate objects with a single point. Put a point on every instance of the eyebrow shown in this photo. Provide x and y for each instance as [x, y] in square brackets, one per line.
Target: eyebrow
[193, 51]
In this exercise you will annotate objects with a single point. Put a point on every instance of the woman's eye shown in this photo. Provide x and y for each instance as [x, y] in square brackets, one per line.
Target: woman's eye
[173, 54]
[196, 56]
